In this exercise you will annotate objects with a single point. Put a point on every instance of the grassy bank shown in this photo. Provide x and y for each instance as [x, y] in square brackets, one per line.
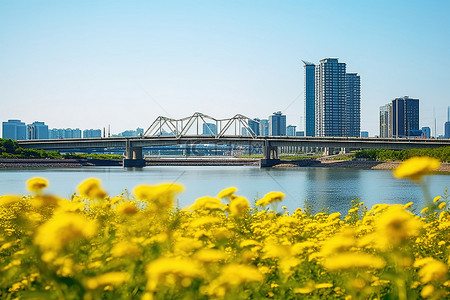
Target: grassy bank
[11, 149]
[442, 153]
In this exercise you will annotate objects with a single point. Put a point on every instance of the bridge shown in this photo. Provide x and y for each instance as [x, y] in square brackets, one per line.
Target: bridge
[166, 131]
[270, 145]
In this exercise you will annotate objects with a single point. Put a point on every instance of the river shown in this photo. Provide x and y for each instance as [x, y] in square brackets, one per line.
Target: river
[322, 187]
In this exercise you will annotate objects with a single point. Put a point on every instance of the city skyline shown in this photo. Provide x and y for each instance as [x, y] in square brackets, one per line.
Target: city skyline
[91, 65]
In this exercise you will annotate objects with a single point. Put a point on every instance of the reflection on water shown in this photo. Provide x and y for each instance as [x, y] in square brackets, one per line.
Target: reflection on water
[333, 188]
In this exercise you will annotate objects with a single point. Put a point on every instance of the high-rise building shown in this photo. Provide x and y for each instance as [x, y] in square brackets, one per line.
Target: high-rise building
[426, 132]
[209, 129]
[447, 129]
[14, 130]
[337, 99]
[264, 127]
[386, 121]
[310, 124]
[92, 133]
[277, 124]
[131, 133]
[255, 126]
[330, 98]
[68, 133]
[290, 130]
[37, 131]
[352, 104]
[405, 116]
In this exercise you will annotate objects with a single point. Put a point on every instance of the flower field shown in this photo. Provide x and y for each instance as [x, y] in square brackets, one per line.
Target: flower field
[138, 245]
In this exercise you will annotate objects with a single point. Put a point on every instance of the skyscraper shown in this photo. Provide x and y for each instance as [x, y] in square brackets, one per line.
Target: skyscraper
[290, 130]
[67, 133]
[277, 124]
[330, 98]
[337, 97]
[310, 70]
[426, 132]
[37, 131]
[264, 127]
[405, 116]
[254, 125]
[447, 129]
[92, 133]
[352, 105]
[14, 129]
[386, 121]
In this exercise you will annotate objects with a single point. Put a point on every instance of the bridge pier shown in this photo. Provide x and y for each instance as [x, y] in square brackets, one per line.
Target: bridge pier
[270, 156]
[133, 157]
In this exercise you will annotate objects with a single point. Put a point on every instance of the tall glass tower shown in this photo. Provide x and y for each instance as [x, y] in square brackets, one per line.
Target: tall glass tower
[405, 116]
[352, 105]
[330, 98]
[310, 123]
[277, 124]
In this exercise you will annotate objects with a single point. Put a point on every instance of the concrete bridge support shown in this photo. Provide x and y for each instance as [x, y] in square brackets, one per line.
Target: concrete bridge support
[133, 157]
[270, 156]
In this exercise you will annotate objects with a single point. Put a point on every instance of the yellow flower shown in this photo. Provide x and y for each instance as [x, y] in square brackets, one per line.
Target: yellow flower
[339, 243]
[227, 193]
[353, 260]
[408, 205]
[442, 205]
[334, 216]
[236, 274]
[37, 184]
[207, 203]
[171, 271]
[63, 229]
[432, 270]
[424, 210]
[238, 206]
[127, 208]
[304, 290]
[125, 249]
[111, 278]
[210, 255]
[323, 285]
[91, 189]
[206, 220]
[427, 291]
[396, 224]
[9, 199]
[161, 196]
[436, 199]
[270, 197]
[416, 167]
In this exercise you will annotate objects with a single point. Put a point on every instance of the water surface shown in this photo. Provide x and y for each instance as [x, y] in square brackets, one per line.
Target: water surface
[322, 187]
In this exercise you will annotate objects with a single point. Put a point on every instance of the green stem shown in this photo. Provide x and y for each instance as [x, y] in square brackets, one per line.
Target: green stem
[426, 193]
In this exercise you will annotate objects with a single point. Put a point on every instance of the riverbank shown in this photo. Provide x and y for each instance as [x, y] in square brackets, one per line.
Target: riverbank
[23, 163]
[352, 164]
[8, 163]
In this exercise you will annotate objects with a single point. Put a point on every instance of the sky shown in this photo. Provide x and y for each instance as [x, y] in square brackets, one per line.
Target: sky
[94, 64]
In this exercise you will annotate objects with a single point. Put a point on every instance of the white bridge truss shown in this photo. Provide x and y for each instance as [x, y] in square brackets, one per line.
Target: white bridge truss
[180, 127]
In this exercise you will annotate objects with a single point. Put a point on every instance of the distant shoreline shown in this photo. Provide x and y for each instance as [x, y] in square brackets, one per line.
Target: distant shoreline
[6, 163]
[358, 164]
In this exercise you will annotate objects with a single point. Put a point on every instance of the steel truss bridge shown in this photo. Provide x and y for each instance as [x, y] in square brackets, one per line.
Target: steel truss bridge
[217, 128]
[166, 131]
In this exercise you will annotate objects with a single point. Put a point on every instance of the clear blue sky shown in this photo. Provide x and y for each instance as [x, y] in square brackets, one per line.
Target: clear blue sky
[88, 64]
